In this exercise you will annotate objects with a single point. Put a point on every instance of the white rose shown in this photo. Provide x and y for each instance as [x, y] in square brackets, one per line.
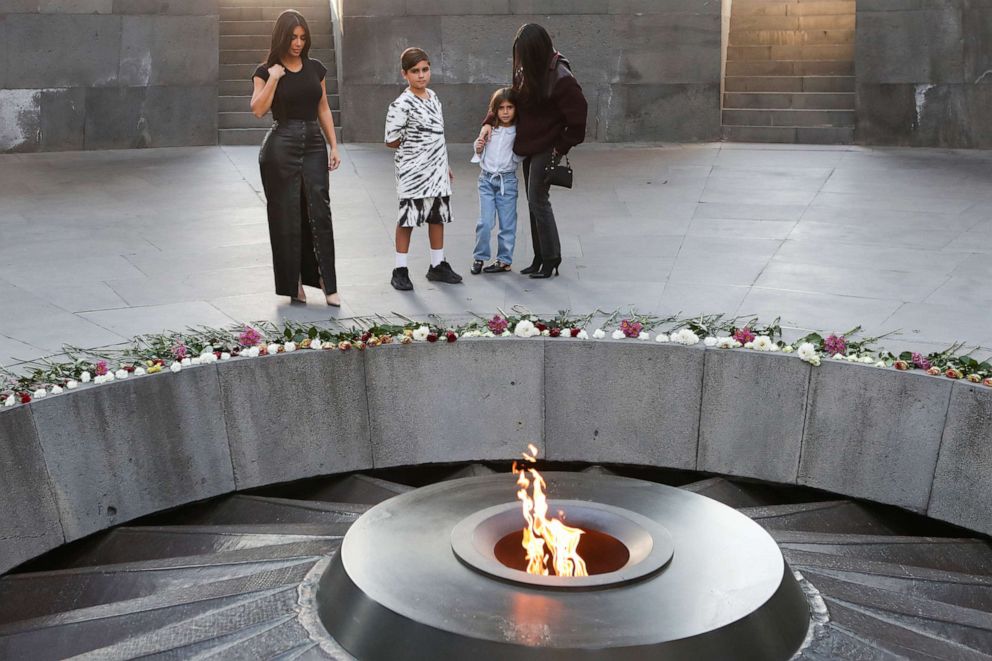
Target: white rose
[139, 371]
[420, 334]
[109, 376]
[815, 361]
[289, 346]
[272, 348]
[598, 334]
[253, 352]
[71, 384]
[85, 377]
[39, 393]
[546, 333]
[176, 366]
[524, 328]
[121, 374]
[728, 343]
[710, 341]
[661, 337]
[227, 356]
[787, 349]
[10, 401]
[57, 390]
[583, 335]
[762, 343]
[617, 334]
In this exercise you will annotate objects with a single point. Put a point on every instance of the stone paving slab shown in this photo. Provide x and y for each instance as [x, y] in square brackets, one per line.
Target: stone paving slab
[96, 246]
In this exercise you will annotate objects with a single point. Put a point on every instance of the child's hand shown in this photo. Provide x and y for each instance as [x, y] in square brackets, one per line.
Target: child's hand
[451, 175]
[479, 144]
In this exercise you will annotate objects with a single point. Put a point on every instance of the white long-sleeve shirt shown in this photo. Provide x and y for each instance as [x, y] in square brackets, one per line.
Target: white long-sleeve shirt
[497, 156]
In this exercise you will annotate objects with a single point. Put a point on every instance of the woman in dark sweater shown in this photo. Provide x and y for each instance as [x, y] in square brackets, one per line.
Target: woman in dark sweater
[551, 119]
[294, 161]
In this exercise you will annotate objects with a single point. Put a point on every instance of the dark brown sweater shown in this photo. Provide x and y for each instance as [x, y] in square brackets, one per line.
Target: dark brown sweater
[558, 121]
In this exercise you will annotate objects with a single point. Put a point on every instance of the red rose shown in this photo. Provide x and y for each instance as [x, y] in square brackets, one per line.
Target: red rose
[451, 336]
[159, 362]
[555, 332]
[129, 368]
[432, 337]
[365, 336]
[25, 398]
[541, 327]
[901, 365]
[574, 332]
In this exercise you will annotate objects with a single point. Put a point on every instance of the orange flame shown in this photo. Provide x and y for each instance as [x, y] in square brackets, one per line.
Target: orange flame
[561, 540]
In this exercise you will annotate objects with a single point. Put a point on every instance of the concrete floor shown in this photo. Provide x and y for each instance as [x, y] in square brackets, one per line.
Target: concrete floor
[96, 247]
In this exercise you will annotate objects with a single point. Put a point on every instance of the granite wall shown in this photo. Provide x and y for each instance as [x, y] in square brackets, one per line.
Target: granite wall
[924, 73]
[650, 69]
[107, 74]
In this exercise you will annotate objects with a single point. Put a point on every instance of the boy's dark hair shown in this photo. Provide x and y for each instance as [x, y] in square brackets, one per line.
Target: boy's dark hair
[411, 57]
[499, 96]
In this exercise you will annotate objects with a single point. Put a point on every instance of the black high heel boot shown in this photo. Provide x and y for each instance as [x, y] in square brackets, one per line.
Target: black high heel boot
[534, 267]
[546, 269]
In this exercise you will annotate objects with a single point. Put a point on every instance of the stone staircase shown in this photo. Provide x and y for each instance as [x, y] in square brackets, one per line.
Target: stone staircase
[790, 72]
[245, 33]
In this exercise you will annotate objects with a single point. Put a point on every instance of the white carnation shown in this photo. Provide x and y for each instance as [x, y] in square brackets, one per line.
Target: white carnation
[253, 352]
[188, 361]
[617, 334]
[121, 374]
[686, 337]
[644, 335]
[139, 371]
[420, 334]
[272, 348]
[598, 334]
[227, 356]
[787, 349]
[838, 356]
[880, 363]
[661, 337]
[10, 401]
[762, 343]
[39, 393]
[867, 360]
[98, 380]
[57, 390]
[546, 333]
[176, 366]
[583, 335]
[710, 341]
[72, 384]
[109, 376]
[728, 343]
[85, 377]
[289, 346]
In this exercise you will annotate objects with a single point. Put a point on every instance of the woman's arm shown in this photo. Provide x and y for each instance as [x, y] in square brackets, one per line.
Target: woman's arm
[326, 119]
[567, 95]
[265, 90]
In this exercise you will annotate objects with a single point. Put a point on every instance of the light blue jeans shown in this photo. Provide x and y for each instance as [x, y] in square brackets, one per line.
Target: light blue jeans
[497, 197]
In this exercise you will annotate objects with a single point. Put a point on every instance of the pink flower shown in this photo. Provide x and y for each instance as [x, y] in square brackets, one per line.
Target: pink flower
[835, 345]
[179, 351]
[101, 368]
[744, 335]
[249, 337]
[497, 325]
[987, 382]
[952, 373]
[920, 362]
[631, 328]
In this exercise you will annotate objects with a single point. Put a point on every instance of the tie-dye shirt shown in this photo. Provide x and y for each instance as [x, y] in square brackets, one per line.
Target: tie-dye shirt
[422, 157]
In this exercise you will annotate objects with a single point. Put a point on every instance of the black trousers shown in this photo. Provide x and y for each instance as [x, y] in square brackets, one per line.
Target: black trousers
[543, 229]
[293, 162]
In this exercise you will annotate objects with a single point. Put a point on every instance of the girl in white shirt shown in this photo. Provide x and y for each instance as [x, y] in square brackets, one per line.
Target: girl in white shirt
[497, 186]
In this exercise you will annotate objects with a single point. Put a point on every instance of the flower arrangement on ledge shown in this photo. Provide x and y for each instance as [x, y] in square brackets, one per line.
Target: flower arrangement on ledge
[175, 351]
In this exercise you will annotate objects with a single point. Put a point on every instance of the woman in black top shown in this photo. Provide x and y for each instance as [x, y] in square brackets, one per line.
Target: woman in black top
[294, 161]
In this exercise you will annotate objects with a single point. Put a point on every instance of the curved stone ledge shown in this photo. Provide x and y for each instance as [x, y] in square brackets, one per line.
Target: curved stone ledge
[91, 458]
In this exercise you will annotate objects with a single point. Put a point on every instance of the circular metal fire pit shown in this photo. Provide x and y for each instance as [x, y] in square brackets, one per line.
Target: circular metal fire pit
[419, 577]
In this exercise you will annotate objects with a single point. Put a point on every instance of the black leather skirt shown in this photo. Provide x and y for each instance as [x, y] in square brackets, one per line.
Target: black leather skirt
[293, 161]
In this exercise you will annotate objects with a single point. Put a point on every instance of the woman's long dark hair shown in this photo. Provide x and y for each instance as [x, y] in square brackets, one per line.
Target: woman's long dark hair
[282, 36]
[532, 51]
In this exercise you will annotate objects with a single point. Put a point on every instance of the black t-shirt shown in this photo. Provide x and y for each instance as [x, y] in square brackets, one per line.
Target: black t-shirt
[297, 93]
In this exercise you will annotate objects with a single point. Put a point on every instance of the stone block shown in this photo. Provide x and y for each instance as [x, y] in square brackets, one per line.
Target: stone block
[873, 433]
[115, 118]
[29, 518]
[181, 116]
[464, 108]
[552, 7]
[364, 106]
[296, 415]
[977, 25]
[3, 52]
[63, 119]
[623, 401]
[961, 492]
[75, 6]
[952, 116]
[456, 7]
[372, 46]
[134, 447]
[373, 8]
[668, 48]
[168, 50]
[662, 7]
[468, 401]
[754, 406]
[82, 50]
[677, 112]
[20, 120]
[171, 7]
[910, 46]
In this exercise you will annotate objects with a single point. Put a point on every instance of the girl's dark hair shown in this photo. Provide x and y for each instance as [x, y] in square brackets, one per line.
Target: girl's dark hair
[282, 36]
[532, 51]
[499, 96]
[411, 57]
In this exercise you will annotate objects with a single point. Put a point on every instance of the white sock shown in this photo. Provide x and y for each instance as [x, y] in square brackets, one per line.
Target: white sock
[437, 256]
[400, 260]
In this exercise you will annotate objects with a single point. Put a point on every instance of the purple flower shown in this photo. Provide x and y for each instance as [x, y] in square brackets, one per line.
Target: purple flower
[835, 344]
[744, 335]
[631, 328]
[920, 362]
[101, 368]
[497, 325]
[179, 351]
[250, 337]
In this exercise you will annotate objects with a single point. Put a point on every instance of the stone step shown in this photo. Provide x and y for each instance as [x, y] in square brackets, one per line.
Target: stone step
[239, 103]
[260, 42]
[363, 489]
[792, 52]
[789, 84]
[733, 494]
[794, 8]
[472, 470]
[810, 135]
[247, 120]
[295, 4]
[790, 37]
[255, 56]
[790, 100]
[269, 13]
[833, 516]
[827, 22]
[264, 28]
[244, 72]
[252, 137]
[788, 117]
[241, 508]
[790, 68]
[274, 640]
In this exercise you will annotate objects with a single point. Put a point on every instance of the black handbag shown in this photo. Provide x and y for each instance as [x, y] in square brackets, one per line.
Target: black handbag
[557, 174]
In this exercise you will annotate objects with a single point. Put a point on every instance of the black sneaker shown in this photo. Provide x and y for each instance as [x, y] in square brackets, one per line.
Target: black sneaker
[401, 279]
[477, 267]
[443, 273]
